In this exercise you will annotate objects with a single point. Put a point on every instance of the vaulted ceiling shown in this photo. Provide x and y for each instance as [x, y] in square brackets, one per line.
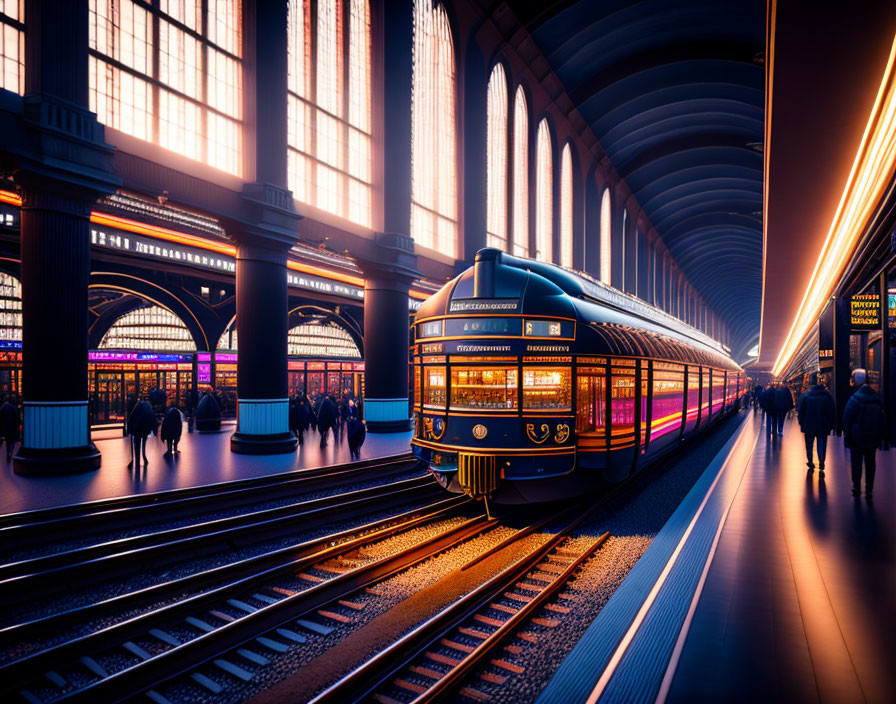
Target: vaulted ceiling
[674, 90]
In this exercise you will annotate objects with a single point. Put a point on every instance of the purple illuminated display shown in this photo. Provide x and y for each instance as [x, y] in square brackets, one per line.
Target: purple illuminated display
[117, 356]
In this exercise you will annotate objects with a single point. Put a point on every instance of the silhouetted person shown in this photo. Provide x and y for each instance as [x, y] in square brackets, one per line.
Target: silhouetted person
[9, 426]
[863, 424]
[326, 418]
[172, 427]
[208, 413]
[356, 433]
[141, 423]
[767, 402]
[817, 415]
[783, 404]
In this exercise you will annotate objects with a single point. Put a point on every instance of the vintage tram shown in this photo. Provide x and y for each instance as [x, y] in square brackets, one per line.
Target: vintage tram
[534, 383]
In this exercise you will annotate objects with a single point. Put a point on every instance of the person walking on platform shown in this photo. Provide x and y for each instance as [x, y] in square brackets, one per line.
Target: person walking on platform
[863, 425]
[767, 401]
[356, 433]
[141, 423]
[10, 422]
[326, 418]
[817, 415]
[783, 405]
[172, 427]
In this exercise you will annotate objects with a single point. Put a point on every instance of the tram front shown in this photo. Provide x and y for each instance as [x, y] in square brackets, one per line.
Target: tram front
[493, 388]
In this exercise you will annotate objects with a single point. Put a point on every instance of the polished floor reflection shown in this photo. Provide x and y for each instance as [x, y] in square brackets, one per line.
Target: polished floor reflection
[205, 458]
[799, 603]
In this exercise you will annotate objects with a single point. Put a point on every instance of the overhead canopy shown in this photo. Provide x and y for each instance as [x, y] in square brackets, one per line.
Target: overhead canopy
[825, 71]
[674, 90]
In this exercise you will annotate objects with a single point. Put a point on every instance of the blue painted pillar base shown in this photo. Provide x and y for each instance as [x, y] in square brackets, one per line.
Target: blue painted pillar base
[386, 415]
[263, 428]
[56, 440]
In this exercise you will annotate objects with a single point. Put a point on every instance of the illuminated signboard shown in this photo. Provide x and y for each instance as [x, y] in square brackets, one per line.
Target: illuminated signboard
[891, 305]
[864, 311]
[120, 356]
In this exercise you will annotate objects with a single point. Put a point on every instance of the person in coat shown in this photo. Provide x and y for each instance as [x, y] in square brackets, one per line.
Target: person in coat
[817, 415]
[208, 413]
[326, 418]
[9, 426]
[356, 433]
[863, 426]
[141, 423]
[172, 427]
[783, 405]
[767, 401]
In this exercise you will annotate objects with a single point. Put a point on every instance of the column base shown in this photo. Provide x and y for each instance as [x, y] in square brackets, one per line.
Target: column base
[276, 444]
[32, 462]
[386, 415]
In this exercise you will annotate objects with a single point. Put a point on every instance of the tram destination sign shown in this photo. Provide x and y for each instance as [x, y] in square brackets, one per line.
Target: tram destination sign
[484, 305]
[864, 312]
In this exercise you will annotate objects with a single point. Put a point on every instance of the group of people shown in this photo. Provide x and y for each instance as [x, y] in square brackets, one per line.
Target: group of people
[863, 424]
[143, 421]
[323, 413]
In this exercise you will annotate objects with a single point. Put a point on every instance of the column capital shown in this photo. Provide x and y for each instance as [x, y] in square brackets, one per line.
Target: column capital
[268, 219]
[62, 149]
[393, 263]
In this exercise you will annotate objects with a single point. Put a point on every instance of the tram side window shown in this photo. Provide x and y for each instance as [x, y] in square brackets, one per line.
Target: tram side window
[693, 393]
[547, 388]
[434, 390]
[622, 405]
[668, 390]
[483, 387]
[706, 393]
[591, 412]
[718, 389]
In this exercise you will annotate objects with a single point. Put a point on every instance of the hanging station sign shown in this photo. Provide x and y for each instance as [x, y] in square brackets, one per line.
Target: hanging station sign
[864, 312]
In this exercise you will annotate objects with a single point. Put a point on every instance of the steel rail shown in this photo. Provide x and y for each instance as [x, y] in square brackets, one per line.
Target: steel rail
[85, 566]
[28, 631]
[106, 515]
[187, 656]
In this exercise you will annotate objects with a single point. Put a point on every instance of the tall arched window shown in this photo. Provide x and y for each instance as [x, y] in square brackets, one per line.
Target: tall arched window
[566, 206]
[149, 328]
[606, 239]
[170, 73]
[544, 194]
[496, 165]
[12, 47]
[10, 308]
[328, 99]
[520, 174]
[433, 138]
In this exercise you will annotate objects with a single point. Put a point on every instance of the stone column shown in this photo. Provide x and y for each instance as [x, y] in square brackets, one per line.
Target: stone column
[386, 317]
[261, 324]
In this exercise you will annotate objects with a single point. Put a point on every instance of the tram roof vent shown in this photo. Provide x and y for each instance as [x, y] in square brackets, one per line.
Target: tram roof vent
[484, 270]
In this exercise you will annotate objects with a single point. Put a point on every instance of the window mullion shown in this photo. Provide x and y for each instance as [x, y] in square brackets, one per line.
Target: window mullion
[203, 61]
[156, 102]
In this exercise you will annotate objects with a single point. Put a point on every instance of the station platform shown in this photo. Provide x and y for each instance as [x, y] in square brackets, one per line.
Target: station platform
[204, 458]
[768, 584]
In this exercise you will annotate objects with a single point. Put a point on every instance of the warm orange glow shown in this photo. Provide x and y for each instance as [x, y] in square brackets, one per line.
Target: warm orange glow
[870, 175]
[10, 197]
[161, 233]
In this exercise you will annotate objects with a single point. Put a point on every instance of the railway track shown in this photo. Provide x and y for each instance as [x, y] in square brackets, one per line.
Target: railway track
[258, 615]
[66, 523]
[82, 567]
[438, 659]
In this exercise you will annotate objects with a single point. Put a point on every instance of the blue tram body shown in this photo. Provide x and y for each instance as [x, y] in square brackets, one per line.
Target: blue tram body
[533, 383]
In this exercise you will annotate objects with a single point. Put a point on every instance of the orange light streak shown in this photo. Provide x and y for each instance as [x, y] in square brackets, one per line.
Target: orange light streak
[10, 197]
[870, 175]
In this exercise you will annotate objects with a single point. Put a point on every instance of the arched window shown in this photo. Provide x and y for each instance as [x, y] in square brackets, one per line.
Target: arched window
[606, 238]
[520, 174]
[433, 133]
[328, 99]
[149, 328]
[12, 48]
[171, 74]
[566, 206]
[496, 165]
[10, 308]
[321, 339]
[544, 195]
[228, 339]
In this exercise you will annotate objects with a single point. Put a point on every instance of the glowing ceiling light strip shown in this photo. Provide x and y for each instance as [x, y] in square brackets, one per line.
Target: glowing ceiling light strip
[10, 197]
[870, 175]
